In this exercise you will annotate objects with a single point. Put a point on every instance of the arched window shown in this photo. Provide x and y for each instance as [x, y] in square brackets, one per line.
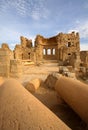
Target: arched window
[44, 51]
[48, 51]
[53, 51]
[69, 54]
[29, 55]
[69, 44]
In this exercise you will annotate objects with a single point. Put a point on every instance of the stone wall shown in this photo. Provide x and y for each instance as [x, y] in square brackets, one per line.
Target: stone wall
[84, 63]
[16, 68]
[74, 60]
[84, 58]
[25, 42]
[5, 46]
[59, 47]
[67, 45]
[8, 66]
[46, 48]
[23, 50]
[4, 63]
[63, 48]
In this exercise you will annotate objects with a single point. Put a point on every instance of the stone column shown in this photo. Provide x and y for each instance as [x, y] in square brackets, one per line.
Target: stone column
[75, 94]
[20, 110]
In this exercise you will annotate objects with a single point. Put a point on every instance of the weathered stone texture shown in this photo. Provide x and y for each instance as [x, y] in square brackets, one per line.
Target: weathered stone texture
[33, 85]
[16, 68]
[50, 81]
[23, 51]
[84, 58]
[75, 94]
[5, 46]
[60, 47]
[4, 63]
[20, 110]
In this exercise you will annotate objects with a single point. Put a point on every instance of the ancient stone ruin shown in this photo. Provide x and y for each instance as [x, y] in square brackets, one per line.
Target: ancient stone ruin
[59, 48]
[20, 110]
[62, 48]
[43, 68]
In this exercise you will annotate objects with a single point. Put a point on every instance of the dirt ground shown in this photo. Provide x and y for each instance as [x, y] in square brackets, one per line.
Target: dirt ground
[49, 97]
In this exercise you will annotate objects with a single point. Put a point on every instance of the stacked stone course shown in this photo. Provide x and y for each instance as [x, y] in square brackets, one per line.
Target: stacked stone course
[62, 48]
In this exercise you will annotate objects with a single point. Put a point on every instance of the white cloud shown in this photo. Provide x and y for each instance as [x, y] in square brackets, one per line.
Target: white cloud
[33, 8]
[84, 46]
[82, 28]
[8, 34]
[12, 46]
[12, 37]
[35, 15]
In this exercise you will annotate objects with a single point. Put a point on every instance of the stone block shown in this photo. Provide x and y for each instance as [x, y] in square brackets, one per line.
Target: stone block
[20, 110]
[33, 85]
[4, 70]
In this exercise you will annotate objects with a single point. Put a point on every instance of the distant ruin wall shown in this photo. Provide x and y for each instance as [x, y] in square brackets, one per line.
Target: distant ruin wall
[24, 49]
[16, 68]
[4, 63]
[84, 58]
[9, 67]
[59, 47]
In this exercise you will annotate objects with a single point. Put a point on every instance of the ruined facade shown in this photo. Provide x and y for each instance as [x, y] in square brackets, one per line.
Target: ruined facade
[84, 58]
[84, 63]
[9, 67]
[60, 48]
[23, 51]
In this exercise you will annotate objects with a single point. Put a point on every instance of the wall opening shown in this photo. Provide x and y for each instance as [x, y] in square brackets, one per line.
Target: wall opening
[44, 51]
[69, 44]
[53, 51]
[69, 54]
[29, 55]
[22, 56]
[48, 51]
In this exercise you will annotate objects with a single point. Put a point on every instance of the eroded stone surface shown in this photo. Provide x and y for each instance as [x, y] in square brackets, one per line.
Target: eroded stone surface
[63, 48]
[33, 85]
[19, 110]
[75, 94]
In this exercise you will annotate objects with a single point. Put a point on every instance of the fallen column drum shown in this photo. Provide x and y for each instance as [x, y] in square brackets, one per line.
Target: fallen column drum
[75, 94]
[20, 110]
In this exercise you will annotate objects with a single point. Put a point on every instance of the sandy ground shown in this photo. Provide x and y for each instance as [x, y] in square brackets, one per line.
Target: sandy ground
[49, 97]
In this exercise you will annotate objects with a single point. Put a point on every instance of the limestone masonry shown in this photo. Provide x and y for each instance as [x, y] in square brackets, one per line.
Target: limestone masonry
[62, 48]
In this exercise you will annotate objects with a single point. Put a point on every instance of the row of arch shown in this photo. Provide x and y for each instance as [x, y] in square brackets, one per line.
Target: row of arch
[49, 51]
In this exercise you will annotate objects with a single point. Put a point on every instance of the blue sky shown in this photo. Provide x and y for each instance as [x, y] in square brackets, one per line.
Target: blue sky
[46, 17]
